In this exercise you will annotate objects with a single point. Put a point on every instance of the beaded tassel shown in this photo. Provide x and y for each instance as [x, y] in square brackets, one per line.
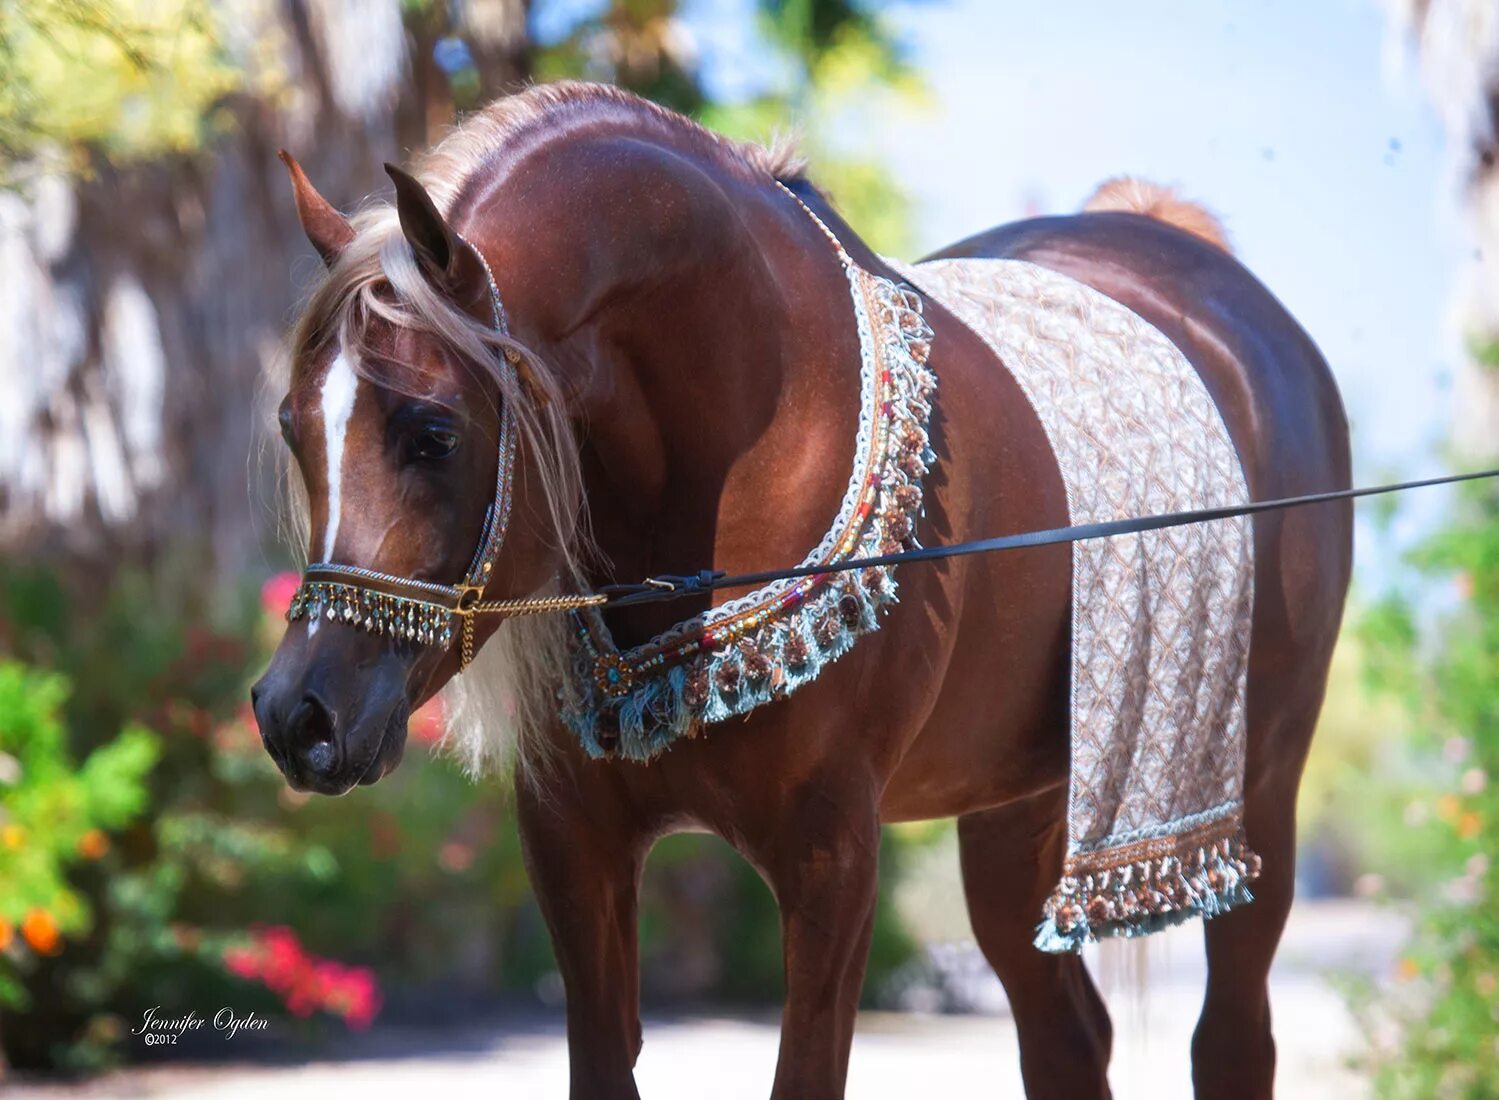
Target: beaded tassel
[373, 612]
[1195, 875]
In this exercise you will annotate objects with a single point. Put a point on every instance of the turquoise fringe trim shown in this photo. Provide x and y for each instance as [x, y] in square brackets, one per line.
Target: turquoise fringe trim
[656, 713]
[1050, 940]
[1177, 894]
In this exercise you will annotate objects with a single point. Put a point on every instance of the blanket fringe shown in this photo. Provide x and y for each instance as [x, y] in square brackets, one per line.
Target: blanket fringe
[1137, 898]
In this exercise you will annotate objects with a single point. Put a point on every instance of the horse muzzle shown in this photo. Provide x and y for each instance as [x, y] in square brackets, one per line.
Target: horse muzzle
[329, 718]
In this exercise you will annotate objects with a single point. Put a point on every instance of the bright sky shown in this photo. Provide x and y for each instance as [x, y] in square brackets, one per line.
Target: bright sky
[1287, 117]
[1281, 115]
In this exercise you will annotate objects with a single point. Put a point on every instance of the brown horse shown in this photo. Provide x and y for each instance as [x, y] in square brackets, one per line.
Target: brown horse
[689, 376]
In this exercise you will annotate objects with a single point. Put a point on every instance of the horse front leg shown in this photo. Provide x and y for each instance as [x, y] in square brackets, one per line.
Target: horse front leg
[584, 855]
[823, 867]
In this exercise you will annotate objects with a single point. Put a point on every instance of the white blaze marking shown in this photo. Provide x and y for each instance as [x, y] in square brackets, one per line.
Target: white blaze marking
[340, 386]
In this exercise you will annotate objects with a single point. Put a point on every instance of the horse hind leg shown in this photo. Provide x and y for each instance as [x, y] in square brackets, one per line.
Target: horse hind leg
[1233, 1050]
[1011, 858]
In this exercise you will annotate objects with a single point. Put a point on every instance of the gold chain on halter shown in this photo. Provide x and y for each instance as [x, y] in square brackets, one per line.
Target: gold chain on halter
[537, 605]
[514, 609]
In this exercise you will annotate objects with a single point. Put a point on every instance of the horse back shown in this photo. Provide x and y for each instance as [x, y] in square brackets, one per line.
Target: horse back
[1274, 389]
[1282, 410]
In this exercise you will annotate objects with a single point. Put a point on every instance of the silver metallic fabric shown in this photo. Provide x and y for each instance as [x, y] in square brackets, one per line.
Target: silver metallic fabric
[1160, 620]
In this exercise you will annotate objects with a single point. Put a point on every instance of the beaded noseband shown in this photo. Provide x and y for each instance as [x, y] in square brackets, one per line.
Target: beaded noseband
[420, 611]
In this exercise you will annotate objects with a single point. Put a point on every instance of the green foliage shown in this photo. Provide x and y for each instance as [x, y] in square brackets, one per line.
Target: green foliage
[1355, 793]
[132, 78]
[52, 817]
[1485, 353]
[1446, 672]
[843, 73]
[423, 883]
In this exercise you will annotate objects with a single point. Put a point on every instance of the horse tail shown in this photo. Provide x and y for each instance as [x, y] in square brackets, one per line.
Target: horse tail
[1154, 200]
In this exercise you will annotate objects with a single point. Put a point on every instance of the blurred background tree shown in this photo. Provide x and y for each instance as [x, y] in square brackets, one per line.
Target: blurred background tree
[153, 80]
[1457, 42]
[152, 262]
[148, 236]
[148, 241]
[1439, 1035]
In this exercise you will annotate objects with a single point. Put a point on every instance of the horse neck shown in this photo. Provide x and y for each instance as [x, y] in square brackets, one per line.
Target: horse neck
[704, 322]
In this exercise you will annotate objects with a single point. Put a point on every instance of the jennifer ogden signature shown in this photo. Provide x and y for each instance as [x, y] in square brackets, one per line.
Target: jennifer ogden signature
[158, 1030]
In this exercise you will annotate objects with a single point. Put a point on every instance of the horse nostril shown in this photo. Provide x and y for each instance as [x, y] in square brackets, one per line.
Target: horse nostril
[322, 756]
[311, 735]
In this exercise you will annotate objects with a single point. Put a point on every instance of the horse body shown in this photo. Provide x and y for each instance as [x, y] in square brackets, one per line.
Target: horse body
[958, 706]
[700, 321]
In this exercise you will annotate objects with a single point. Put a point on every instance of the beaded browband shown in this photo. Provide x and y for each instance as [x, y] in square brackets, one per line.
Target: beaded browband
[424, 612]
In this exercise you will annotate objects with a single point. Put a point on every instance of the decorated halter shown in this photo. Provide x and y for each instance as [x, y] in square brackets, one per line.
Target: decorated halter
[424, 612]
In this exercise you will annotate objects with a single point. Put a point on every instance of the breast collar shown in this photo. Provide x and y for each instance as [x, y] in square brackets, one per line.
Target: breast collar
[763, 645]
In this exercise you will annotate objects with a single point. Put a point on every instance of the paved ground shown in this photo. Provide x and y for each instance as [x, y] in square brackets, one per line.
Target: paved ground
[896, 1055]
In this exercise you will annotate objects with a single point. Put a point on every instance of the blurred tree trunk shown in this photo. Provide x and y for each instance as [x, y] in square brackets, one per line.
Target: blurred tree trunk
[1458, 41]
[145, 302]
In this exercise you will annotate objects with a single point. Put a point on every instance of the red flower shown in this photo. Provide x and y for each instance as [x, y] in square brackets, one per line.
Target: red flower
[304, 982]
[276, 593]
[242, 962]
[427, 724]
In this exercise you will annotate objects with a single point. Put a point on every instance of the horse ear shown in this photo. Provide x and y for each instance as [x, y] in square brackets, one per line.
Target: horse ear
[327, 229]
[446, 259]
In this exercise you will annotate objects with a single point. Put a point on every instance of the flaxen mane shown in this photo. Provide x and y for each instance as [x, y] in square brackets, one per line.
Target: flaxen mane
[511, 686]
[545, 112]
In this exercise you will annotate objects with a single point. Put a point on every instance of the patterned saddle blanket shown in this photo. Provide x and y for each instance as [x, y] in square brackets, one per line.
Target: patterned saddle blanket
[1160, 620]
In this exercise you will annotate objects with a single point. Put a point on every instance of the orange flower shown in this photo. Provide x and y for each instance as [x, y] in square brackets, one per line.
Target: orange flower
[1468, 825]
[1448, 807]
[93, 844]
[13, 836]
[1407, 969]
[6, 933]
[40, 930]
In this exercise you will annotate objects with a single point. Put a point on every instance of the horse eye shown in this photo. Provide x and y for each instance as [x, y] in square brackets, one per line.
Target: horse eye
[434, 443]
[287, 422]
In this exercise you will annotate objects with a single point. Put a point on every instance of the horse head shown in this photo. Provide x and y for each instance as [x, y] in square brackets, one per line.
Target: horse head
[666, 282]
[403, 404]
